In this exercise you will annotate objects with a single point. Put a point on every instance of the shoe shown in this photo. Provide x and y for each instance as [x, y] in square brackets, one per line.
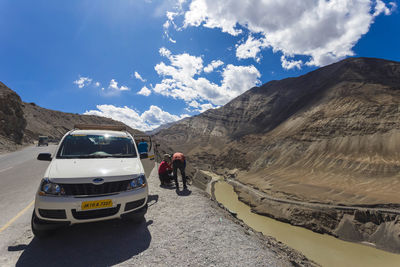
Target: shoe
[185, 187]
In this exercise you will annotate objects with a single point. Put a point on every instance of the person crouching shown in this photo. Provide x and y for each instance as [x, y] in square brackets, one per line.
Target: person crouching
[165, 170]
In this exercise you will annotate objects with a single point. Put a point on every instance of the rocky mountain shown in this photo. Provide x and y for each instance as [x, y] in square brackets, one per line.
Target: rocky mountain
[306, 137]
[21, 123]
[161, 127]
[12, 121]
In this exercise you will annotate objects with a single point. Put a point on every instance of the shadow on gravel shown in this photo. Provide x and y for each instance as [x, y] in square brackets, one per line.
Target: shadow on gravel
[152, 200]
[92, 244]
[169, 187]
[184, 193]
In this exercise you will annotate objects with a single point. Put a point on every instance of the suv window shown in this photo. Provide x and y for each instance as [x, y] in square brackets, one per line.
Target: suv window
[96, 146]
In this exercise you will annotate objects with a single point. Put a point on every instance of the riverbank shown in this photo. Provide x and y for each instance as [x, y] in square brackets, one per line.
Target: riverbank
[375, 226]
[323, 249]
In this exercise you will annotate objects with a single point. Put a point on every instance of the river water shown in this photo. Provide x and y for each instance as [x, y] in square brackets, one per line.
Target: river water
[323, 249]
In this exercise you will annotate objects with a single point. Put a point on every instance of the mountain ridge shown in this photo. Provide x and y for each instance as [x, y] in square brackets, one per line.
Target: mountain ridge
[341, 120]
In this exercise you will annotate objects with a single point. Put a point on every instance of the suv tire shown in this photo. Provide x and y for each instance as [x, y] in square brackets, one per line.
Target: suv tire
[39, 233]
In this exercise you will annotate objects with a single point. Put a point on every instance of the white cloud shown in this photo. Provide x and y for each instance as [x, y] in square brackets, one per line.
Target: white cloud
[144, 91]
[97, 84]
[290, 64]
[83, 81]
[139, 77]
[204, 107]
[326, 31]
[164, 52]
[213, 65]
[380, 7]
[195, 106]
[148, 120]
[250, 48]
[181, 79]
[114, 86]
[170, 22]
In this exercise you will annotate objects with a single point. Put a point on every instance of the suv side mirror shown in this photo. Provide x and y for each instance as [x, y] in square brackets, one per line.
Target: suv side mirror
[44, 156]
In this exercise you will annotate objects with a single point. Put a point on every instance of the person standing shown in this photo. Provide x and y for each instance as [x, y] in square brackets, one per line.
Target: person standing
[143, 148]
[164, 170]
[179, 162]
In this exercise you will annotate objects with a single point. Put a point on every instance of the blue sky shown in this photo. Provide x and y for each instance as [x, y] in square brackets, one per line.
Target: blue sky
[149, 62]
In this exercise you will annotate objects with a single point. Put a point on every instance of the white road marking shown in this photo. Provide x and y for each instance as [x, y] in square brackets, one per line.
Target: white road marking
[6, 169]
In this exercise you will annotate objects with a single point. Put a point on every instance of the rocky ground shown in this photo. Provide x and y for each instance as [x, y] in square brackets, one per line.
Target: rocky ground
[189, 229]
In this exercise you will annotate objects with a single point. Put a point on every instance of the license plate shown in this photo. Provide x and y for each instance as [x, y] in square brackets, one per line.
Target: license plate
[96, 204]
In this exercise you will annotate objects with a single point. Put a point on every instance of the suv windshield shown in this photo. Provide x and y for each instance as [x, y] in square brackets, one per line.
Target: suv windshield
[96, 146]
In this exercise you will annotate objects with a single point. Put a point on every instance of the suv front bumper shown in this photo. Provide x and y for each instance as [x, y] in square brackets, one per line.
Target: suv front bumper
[67, 209]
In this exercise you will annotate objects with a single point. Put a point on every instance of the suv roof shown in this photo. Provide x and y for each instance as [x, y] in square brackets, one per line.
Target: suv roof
[99, 132]
[100, 127]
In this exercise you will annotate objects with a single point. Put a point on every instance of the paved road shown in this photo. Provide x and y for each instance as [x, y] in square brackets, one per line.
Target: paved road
[20, 174]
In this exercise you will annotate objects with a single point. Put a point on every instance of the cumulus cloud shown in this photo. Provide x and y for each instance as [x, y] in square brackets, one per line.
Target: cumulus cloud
[195, 106]
[380, 7]
[181, 79]
[326, 31]
[144, 91]
[83, 81]
[290, 64]
[213, 65]
[114, 86]
[139, 77]
[97, 84]
[148, 120]
[251, 48]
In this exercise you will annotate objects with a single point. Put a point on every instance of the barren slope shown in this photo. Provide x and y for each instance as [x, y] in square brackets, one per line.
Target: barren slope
[41, 121]
[12, 121]
[331, 135]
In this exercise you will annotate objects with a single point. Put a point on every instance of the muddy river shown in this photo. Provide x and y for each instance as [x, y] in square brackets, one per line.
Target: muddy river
[323, 249]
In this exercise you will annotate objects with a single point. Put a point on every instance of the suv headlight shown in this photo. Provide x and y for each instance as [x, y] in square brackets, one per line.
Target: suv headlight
[137, 182]
[49, 188]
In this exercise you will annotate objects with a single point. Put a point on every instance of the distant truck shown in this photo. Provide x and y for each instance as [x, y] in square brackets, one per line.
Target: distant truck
[43, 141]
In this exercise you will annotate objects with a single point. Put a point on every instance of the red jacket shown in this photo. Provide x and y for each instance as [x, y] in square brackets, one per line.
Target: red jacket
[164, 167]
[178, 156]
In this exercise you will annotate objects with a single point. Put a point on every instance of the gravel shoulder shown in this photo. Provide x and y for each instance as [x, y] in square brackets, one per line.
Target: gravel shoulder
[188, 229]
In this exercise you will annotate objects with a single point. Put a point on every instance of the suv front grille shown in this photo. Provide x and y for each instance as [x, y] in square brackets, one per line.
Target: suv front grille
[94, 214]
[134, 204]
[92, 189]
[53, 214]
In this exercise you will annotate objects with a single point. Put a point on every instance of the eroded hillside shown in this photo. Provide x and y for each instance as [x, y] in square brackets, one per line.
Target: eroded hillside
[12, 121]
[332, 135]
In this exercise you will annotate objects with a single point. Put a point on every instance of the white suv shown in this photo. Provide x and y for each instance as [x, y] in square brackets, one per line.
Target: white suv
[95, 175]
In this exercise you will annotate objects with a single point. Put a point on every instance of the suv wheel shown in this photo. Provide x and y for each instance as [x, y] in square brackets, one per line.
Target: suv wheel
[137, 217]
[39, 233]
